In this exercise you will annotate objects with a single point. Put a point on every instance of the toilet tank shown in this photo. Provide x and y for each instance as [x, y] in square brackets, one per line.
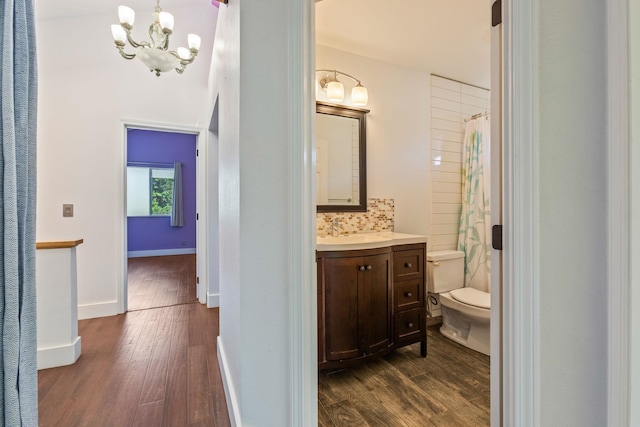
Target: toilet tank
[445, 271]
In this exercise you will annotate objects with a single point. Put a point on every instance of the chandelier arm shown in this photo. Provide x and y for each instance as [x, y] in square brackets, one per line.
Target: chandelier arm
[183, 61]
[124, 54]
[134, 43]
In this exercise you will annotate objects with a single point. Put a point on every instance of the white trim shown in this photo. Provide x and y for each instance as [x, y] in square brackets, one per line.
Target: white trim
[213, 300]
[303, 304]
[202, 221]
[161, 252]
[229, 389]
[62, 355]
[100, 309]
[618, 212]
[520, 300]
[201, 205]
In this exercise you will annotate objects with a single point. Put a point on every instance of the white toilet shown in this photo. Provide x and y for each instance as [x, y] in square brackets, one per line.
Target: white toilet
[465, 311]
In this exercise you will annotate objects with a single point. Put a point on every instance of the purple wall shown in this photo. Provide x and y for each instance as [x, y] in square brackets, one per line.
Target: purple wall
[153, 233]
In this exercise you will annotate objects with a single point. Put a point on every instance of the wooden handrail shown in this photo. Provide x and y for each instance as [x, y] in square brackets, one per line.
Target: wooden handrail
[63, 244]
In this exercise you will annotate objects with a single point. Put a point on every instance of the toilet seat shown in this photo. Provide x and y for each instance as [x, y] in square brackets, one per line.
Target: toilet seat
[472, 296]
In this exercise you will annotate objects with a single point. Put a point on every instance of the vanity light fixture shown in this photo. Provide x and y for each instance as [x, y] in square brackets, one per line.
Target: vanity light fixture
[335, 89]
[155, 54]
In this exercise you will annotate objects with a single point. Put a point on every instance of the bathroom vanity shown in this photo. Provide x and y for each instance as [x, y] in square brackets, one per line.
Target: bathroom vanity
[371, 296]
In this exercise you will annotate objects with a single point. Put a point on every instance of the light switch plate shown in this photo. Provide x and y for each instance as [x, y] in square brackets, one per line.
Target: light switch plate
[67, 210]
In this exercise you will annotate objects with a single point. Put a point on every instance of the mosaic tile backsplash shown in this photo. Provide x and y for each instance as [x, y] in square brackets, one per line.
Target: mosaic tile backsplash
[378, 217]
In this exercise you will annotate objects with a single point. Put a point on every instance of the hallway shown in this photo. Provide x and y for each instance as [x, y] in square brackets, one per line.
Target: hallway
[154, 367]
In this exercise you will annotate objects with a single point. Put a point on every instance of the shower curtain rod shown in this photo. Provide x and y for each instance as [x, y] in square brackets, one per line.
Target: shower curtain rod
[476, 116]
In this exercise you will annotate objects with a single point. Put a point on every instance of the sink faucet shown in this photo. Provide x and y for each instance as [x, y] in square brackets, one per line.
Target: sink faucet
[335, 227]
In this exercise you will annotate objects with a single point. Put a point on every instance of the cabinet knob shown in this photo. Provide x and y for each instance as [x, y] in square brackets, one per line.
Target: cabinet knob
[407, 264]
[408, 294]
[410, 325]
[368, 267]
[361, 268]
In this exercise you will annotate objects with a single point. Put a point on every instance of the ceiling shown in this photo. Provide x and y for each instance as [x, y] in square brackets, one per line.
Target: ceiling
[446, 37]
[49, 9]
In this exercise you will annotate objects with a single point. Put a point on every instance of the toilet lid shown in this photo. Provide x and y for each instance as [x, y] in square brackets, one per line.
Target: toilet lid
[472, 297]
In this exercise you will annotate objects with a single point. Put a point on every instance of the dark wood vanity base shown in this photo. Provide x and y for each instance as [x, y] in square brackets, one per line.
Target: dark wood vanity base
[370, 302]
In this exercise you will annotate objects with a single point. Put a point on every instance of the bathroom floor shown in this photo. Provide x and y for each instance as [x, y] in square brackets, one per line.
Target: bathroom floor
[450, 387]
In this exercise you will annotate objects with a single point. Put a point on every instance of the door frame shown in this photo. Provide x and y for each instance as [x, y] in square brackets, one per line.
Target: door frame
[201, 205]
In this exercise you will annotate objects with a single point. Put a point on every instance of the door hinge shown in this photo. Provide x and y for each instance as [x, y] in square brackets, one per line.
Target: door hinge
[197, 216]
[496, 237]
[496, 13]
[197, 280]
[197, 153]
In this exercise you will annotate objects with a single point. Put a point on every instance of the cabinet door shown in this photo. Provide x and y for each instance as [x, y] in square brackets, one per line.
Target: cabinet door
[375, 304]
[341, 307]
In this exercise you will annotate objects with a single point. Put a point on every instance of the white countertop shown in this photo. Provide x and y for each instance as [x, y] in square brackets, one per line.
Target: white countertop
[348, 242]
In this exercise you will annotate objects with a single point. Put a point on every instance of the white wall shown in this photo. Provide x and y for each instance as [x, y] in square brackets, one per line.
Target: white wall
[634, 73]
[85, 91]
[398, 127]
[451, 104]
[254, 208]
[572, 212]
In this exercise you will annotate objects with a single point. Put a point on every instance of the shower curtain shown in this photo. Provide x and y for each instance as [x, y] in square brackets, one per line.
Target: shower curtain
[475, 218]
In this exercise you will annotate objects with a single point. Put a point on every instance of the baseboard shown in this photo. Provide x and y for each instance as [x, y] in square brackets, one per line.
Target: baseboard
[59, 356]
[101, 309]
[229, 390]
[161, 252]
[213, 300]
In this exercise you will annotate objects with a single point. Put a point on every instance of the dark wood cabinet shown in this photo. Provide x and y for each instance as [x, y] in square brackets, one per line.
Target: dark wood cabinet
[363, 309]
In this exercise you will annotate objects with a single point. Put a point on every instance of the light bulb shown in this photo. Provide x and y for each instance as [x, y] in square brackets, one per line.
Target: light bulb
[335, 91]
[166, 21]
[194, 41]
[359, 95]
[184, 53]
[126, 15]
[119, 34]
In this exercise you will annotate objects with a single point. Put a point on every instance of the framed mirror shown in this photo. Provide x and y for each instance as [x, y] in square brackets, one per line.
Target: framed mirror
[341, 160]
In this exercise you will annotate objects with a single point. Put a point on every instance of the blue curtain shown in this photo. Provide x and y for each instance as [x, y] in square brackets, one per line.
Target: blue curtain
[177, 209]
[18, 344]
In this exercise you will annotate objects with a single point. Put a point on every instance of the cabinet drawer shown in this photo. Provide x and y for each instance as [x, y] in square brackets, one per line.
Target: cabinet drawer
[410, 325]
[408, 264]
[409, 294]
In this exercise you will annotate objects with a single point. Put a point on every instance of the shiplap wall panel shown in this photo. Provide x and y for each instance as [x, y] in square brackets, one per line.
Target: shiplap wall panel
[451, 103]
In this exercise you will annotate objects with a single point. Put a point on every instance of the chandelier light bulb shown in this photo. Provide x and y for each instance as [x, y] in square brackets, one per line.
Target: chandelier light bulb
[335, 91]
[183, 53]
[359, 95]
[166, 21]
[119, 34]
[194, 41]
[126, 15]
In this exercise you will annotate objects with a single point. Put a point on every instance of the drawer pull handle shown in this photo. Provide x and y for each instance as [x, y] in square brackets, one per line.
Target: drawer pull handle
[368, 267]
[410, 325]
[361, 268]
[408, 265]
[408, 294]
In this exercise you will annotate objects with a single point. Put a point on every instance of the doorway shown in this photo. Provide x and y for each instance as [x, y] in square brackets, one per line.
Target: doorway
[161, 218]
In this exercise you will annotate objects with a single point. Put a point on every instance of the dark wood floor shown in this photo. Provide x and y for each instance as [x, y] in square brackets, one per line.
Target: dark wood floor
[448, 388]
[161, 281]
[155, 367]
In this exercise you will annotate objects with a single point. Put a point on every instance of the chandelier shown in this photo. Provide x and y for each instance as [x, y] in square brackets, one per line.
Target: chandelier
[154, 54]
[335, 89]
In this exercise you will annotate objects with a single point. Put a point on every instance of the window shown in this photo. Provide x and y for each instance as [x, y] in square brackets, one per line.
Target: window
[149, 190]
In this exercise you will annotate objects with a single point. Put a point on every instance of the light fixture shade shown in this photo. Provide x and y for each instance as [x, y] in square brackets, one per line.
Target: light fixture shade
[194, 41]
[184, 53]
[335, 91]
[119, 34]
[359, 95]
[166, 20]
[126, 15]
